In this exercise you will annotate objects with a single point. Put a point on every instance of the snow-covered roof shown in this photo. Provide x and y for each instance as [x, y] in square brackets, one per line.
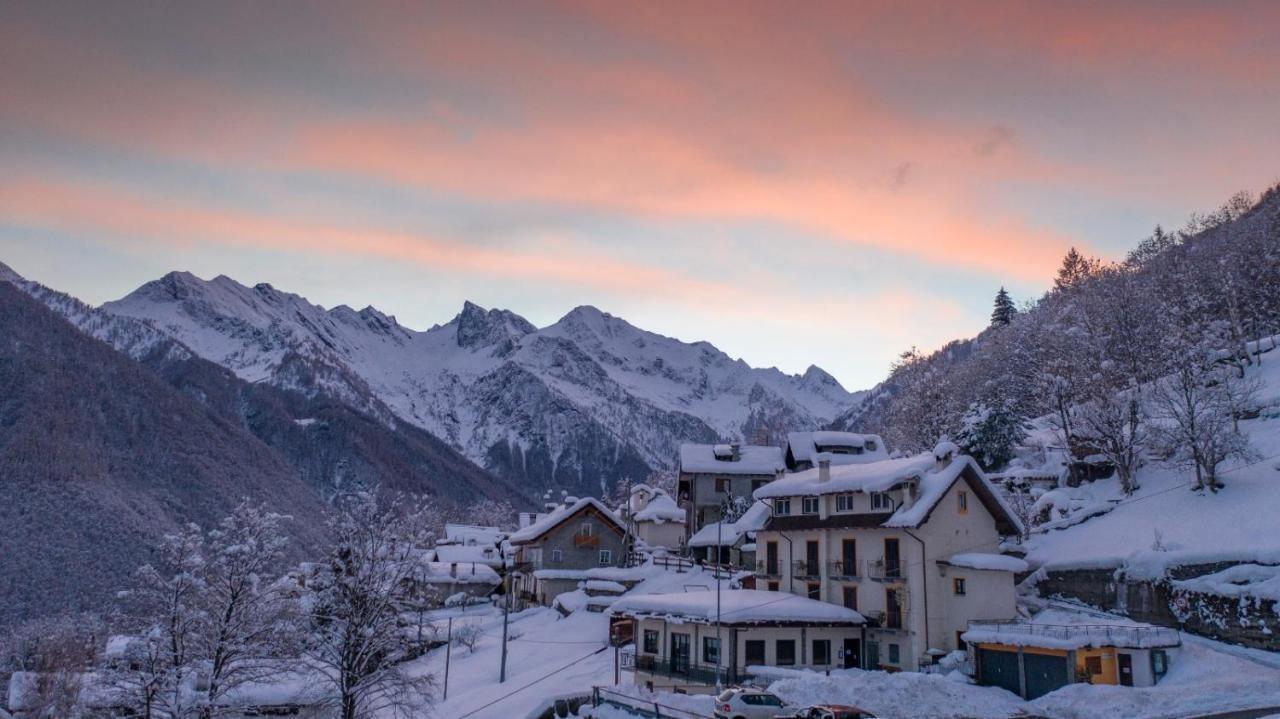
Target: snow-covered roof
[554, 518]
[1243, 580]
[805, 446]
[752, 459]
[560, 573]
[1072, 636]
[994, 562]
[737, 606]
[483, 554]
[660, 508]
[604, 585]
[932, 485]
[751, 521]
[448, 573]
[472, 534]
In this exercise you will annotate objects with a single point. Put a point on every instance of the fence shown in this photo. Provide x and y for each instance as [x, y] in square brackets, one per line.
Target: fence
[643, 707]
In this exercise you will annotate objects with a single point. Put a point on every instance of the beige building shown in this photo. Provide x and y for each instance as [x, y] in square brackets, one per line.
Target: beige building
[912, 544]
[656, 520]
[678, 643]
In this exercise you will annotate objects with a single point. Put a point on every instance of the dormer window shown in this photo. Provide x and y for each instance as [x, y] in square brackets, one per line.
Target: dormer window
[809, 505]
[881, 501]
[844, 502]
[782, 506]
[962, 502]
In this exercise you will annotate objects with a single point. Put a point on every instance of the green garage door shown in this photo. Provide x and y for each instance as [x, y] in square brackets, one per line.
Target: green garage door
[1044, 674]
[998, 669]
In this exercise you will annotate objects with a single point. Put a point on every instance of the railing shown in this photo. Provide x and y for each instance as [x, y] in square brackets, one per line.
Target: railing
[842, 569]
[885, 569]
[805, 569]
[1117, 635]
[886, 620]
[586, 540]
[765, 568]
[643, 706]
[687, 671]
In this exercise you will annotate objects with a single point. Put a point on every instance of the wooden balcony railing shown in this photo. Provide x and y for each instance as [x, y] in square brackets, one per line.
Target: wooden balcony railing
[586, 540]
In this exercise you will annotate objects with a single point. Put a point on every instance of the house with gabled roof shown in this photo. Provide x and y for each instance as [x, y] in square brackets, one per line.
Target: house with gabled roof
[554, 552]
[713, 474]
[913, 544]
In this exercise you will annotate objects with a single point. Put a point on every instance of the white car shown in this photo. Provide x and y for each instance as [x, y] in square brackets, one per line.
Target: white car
[747, 704]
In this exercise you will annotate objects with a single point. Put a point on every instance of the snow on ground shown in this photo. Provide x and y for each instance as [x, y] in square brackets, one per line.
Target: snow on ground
[1238, 522]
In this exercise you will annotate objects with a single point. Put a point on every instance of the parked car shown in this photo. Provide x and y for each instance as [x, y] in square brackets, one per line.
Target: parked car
[747, 704]
[828, 711]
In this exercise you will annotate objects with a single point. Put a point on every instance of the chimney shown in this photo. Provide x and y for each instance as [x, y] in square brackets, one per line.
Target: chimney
[779, 473]
[824, 470]
[943, 453]
[453, 569]
[736, 449]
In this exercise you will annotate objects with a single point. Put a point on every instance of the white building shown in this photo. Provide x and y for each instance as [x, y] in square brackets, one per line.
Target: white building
[656, 519]
[911, 543]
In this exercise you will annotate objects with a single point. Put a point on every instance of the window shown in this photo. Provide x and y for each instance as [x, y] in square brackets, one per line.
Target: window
[710, 650]
[881, 500]
[761, 700]
[870, 445]
[650, 641]
[606, 557]
[895, 655]
[785, 650]
[773, 586]
[557, 556]
[821, 651]
[1159, 663]
[809, 505]
[844, 502]
[722, 485]
[758, 483]
[755, 652]
[851, 598]
[814, 590]
[957, 586]
[1093, 665]
[587, 529]
[962, 502]
[782, 506]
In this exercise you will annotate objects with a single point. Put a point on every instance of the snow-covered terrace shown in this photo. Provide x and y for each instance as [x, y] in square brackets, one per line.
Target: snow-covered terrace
[1072, 636]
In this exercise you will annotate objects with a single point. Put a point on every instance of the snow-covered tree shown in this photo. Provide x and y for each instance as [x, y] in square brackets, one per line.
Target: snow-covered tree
[355, 636]
[990, 433]
[491, 513]
[1004, 310]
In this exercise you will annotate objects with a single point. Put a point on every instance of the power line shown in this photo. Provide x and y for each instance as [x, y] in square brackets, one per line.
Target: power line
[512, 693]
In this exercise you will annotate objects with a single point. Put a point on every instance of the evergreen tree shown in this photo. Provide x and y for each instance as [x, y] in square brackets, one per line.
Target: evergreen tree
[1075, 269]
[1004, 309]
[989, 434]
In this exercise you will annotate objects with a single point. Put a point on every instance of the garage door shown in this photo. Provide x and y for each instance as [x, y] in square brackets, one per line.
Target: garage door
[998, 669]
[1044, 674]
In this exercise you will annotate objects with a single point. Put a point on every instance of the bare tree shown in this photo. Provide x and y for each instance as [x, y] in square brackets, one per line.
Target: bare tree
[356, 638]
[52, 656]
[468, 635]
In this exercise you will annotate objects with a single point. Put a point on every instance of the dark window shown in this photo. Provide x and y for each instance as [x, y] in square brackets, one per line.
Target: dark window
[710, 650]
[851, 598]
[755, 652]
[771, 557]
[957, 586]
[892, 567]
[773, 586]
[650, 641]
[821, 651]
[786, 651]
[894, 656]
[892, 609]
[962, 502]
[811, 558]
[722, 484]
[814, 590]
[1159, 663]
[1093, 665]
[849, 557]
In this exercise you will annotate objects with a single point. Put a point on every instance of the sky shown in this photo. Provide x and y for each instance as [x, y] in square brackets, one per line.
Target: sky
[797, 183]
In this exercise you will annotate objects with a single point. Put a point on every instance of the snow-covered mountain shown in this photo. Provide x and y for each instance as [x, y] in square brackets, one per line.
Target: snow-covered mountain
[578, 404]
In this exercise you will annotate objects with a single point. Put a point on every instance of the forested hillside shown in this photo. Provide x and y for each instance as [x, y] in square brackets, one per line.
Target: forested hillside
[1086, 355]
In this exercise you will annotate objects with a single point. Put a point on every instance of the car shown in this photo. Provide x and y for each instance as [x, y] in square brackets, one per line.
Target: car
[747, 704]
[828, 711]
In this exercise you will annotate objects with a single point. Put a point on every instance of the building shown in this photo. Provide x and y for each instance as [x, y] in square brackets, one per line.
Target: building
[553, 553]
[1032, 660]
[678, 644]
[730, 543]
[912, 544]
[712, 474]
[842, 447]
[657, 522]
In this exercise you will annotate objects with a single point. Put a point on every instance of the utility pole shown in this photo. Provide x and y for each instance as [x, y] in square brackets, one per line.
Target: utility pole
[448, 652]
[716, 569]
[506, 612]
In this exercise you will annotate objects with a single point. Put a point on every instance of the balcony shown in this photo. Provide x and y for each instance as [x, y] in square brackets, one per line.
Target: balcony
[885, 570]
[806, 570]
[842, 570]
[589, 541]
[768, 569]
[886, 620]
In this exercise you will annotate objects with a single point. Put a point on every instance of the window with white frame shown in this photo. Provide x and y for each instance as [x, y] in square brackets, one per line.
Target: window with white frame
[557, 556]
[844, 502]
[881, 500]
[782, 506]
[809, 505]
[606, 557]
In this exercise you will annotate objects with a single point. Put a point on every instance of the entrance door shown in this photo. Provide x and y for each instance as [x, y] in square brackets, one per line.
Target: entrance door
[811, 558]
[771, 558]
[679, 653]
[1126, 669]
[852, 653]
[873, 655]
[1044, 674]
[891, 566]
[999, 669]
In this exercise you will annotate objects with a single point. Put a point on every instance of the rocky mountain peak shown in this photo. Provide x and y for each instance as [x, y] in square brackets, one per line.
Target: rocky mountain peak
[478, 327]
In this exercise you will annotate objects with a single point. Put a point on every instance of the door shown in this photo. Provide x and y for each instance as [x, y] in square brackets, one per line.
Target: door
[1126, 669]
[873, 655]
[892, 568]
[811, 558]
[848, 558]
[771, 558]
[999, 669]
[679, 653]
[1044, 674]
[852, 653]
